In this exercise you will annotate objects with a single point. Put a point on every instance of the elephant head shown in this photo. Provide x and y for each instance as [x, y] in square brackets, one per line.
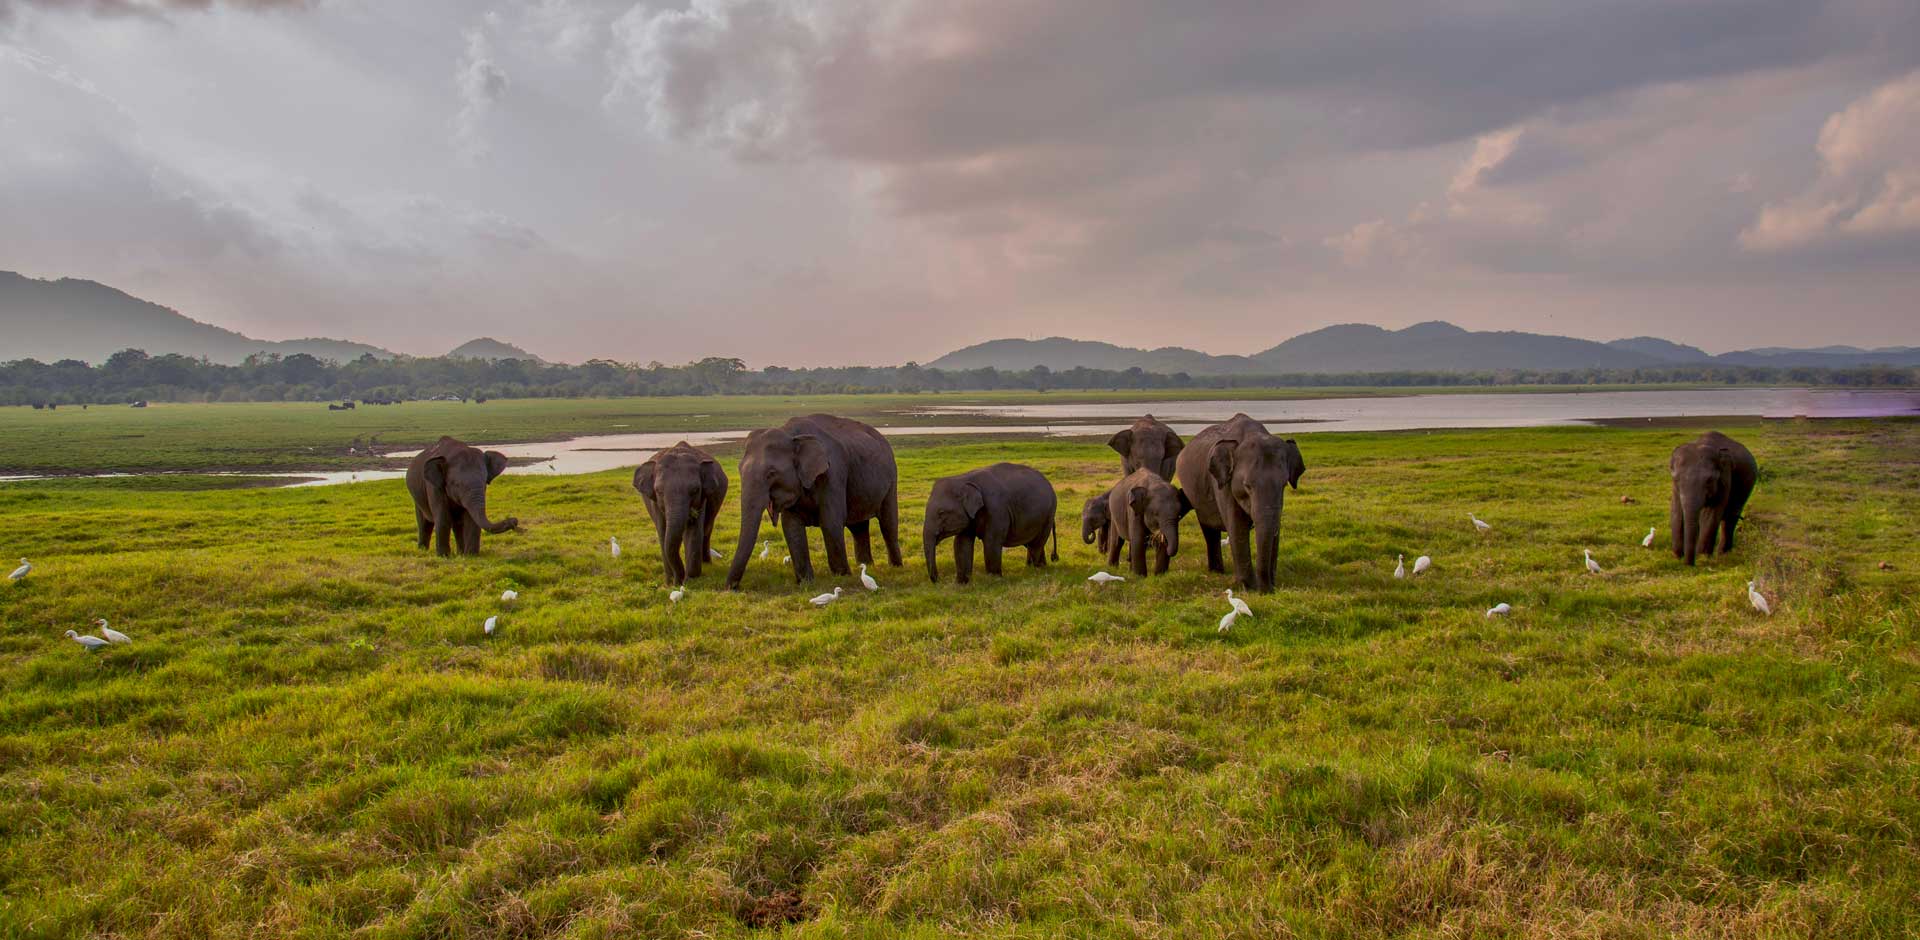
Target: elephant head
[1702, 481]
[1149, 444]
[462, 474]
[1095, 521]
[678, 485]
[1156, 508]
[1255, 472]
[779, 472]
[953, 508]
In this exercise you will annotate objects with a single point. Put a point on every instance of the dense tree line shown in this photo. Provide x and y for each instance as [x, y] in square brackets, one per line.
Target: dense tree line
[132, 375]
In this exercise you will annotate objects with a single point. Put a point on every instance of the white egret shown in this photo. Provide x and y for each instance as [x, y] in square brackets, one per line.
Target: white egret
[714, 554]
[1758, 600]
[1592, 565]
[786, 559]
[491, 624]
[1499, 610]
[1648, 541]
[1399, 566]
[677, 593]
[21, 572]
[614, 544]
[1477, 523]
[1239, 606]
[508, 597]
[867, 579]
[112, 635]
[1101, 577]
[825, 599]
[90, 642]
[765, 546]
[1226, 622]
[1421, 564]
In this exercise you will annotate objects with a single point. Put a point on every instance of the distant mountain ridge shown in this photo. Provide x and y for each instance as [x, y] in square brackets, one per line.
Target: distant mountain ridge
[1434, 346]
[486, 347]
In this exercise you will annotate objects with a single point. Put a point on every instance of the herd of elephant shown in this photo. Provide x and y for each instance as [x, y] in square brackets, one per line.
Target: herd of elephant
[838, 475]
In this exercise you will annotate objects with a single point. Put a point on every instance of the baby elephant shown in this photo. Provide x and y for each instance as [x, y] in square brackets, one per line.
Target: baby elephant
[683, 487]
[448, 482]
[1096, 522]
[1712, 479]
[1005, 504]
[1143, 506]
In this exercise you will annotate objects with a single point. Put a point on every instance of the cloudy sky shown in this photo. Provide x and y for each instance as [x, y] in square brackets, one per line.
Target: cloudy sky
[812, 182]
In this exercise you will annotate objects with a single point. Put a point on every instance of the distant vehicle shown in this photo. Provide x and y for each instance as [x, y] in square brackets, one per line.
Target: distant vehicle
[139, 404]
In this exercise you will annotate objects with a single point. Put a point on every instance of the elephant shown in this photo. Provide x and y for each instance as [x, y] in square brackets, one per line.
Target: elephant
[1145, 506]
[1005, 504]
[1712, 480]
[449, 486]
[818, 470]
[1150, 444]
[1237, 475]
[680, 485]
[1096, 522]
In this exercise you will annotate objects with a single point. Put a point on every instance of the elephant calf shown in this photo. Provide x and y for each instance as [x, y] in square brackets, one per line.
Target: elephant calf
[1143, 507]
[1712, 480]
[1005, 504]
[1096, 522]
[683, 487]
[449, 486]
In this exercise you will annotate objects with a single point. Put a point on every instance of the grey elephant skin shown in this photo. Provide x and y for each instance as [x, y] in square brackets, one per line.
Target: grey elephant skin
[1096, 522]
[821, 471]
[1146, 509]
[1713, 477]
[1002, 505]
[682, 487]
[1237, 475]
[1147, 444]
[449, 486]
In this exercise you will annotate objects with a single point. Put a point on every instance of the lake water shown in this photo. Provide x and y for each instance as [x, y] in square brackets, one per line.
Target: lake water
[595, 453]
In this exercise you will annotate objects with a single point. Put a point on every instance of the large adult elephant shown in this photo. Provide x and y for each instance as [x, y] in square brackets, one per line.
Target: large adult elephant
[1237, 474]
[683, 487]
[449, 486]
[1713, 477]
[1150, 444]
[818, 470]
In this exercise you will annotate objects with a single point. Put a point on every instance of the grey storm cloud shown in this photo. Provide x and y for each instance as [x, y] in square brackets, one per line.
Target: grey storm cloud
[141, 7]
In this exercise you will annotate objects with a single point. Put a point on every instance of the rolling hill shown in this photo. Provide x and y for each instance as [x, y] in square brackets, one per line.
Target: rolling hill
[486, 347]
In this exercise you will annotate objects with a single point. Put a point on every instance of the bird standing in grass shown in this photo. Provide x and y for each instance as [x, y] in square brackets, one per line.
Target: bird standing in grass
[491, 624]
[765, 547]
[1758, 600]
[677, 593]
[1648, 541]
[867, 580]
[1399, 566]
[112, 635]
[714, 554]
[92, 643]
[25, 568]
[1101, 577]
[1477, 524]
[1239, 606]
[1499, 610]
[508, 597]
[614, 545]
[1226, 622]
[1592, 565]
[825, 599]
[1421, 564]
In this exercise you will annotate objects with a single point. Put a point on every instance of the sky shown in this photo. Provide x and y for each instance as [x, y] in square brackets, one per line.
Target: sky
[818, 182]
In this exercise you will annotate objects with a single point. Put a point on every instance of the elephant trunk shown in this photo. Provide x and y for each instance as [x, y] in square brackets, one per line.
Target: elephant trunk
[1708, 522]
[476, 506]
[930, 543]
[670, 542]
[1266, 539]
[752, 505]
[1690, 512]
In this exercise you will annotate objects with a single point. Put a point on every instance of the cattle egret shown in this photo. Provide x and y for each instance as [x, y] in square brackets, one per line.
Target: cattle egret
[614, 544]
[1226, 622]
[677, 593]
[1101, 577]
[1239, 606]
[1758, 600]
[1477, 523]
[867, 579]
[786, 559]
[1421, 564]
[21, 572]
[90, 642]
[714, 554]
[1399, 566]
[492, 622]
[1592, 565]
[1499, 610]
[1648, 541]
[825, 599]
[112, 635]
[508, 597]
[765, 547]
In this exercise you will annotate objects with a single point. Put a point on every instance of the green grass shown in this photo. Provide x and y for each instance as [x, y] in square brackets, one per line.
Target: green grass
[310, 736]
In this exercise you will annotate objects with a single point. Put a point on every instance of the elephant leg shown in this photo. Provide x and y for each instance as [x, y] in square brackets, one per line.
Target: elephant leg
[992, 546]
[1211, 538]
[833, 532]
[1114, 543]
[796, 533]
[1137, 552]
[1735, 507]
[442, 532]
[862, 541]
[1037, 553]
[1239, 527]
[694, 550]
[963, 558]
[706, 527]
[424, 523]
[890, 526]
[1677, 524]
[1160, 558]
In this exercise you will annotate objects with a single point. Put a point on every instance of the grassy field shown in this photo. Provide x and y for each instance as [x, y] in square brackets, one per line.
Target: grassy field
[306, 436]
[310, 736]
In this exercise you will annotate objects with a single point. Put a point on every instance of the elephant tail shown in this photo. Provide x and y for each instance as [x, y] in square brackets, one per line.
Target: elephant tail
[1054, 526]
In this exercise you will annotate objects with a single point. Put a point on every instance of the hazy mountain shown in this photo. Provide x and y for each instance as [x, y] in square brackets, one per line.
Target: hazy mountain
[486, 347]
[76, 319]
[1423, 347]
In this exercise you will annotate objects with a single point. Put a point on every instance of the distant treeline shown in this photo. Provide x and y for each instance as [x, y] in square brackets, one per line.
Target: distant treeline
[132, 375]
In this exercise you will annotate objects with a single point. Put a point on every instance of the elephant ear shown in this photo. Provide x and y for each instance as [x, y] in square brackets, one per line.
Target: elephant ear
[1174, 446]
[643, 479]
[1122, 443]
[1137, 498]
[811, 457]
[971, 500]
[1220, 462]
[435, 470]
[713, 479]
[496, 464]
[1296, 464]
